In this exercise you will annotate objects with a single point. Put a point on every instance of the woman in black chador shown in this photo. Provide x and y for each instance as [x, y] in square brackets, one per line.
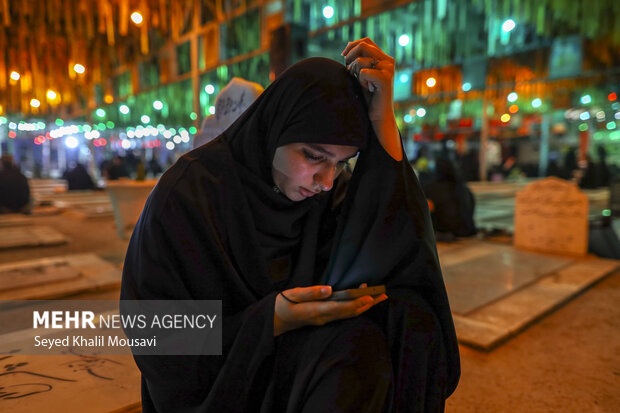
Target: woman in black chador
[264, 219]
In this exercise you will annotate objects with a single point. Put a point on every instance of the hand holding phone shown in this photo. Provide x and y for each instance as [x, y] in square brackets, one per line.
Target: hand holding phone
[353, 293]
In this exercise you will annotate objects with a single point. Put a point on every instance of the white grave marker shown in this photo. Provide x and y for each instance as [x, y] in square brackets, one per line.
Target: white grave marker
[551, 215]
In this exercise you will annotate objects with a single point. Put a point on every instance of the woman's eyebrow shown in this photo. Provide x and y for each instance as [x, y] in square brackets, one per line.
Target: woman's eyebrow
[324, 151]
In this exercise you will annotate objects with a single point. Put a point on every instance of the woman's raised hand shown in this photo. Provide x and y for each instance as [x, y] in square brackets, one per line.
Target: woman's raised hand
[375, 71]
[311, 310]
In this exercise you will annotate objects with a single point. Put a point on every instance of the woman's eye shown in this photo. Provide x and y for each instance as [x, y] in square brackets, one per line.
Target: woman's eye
[312, 157]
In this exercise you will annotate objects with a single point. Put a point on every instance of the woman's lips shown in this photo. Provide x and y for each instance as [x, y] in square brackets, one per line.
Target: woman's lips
[304, 192]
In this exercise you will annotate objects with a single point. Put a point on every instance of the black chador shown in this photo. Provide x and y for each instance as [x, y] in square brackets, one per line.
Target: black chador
[214, 228]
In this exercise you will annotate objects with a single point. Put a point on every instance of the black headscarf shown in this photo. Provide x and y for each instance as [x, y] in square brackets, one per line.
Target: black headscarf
[317, 101]
[213, 221]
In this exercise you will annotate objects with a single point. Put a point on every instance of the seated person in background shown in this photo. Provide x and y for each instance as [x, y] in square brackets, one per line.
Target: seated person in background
[452, 203]
[154, 168]
[117, 169]
[78, 178]
[14, 189]
[230, 103]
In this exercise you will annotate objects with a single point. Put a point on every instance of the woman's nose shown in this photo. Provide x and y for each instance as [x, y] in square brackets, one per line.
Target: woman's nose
[325, 178]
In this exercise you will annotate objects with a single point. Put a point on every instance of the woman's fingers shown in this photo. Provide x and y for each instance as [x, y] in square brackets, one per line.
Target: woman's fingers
[298, 307]
[329, 311]
[374, 80]
[302, 294]
[383, 72]
[364, 49]
[362, 63]
[374, 302]
[354, 43]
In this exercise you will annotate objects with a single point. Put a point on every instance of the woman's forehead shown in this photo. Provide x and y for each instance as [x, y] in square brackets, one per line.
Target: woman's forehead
[329, 150]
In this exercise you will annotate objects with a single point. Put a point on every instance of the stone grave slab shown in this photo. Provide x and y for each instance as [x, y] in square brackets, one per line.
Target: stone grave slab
[69, 383]
[30, 236]
[37, 274]
[14, 220]
[88, 211]
[484, 278]
[496, 290]
[56, 277]
[551, 215]
[44, 211]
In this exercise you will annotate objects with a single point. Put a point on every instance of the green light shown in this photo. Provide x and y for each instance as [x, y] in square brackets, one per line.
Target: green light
[110, 124]
[193, 116]
[101, 126]
[100, 113]
[606, 212]
[611, 125]
[87, 128]
[585, 99]
[615, 135]
[536, 103]
[2, 120]
[41, 125]
[193, 130]
[80, 128]
[583, 127]
[172, 131]
[95, 127]
[182, 130]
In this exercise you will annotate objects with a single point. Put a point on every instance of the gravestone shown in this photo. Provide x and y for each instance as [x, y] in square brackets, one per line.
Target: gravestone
[551, 215]
[128, 199]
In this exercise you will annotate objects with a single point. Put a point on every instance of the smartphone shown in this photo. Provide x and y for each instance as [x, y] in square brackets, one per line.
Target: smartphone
[353, 293]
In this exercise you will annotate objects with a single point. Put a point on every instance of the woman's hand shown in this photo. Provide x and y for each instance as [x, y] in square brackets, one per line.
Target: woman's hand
[375, 71]
[310, 310]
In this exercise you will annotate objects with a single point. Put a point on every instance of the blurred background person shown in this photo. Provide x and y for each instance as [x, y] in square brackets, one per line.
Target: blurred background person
[154, 167]
[14, 189]
[451, 202]
[78, 178]
[117, 169]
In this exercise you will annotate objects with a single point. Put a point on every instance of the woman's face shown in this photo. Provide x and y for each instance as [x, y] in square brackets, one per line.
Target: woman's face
[302, 170]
